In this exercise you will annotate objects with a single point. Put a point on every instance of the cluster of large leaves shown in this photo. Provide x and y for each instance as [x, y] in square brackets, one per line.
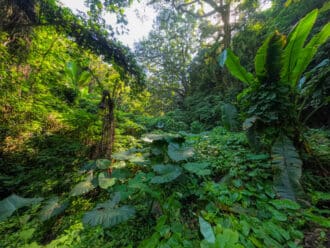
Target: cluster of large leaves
[279, 65]
[14, 202]
[108, 213]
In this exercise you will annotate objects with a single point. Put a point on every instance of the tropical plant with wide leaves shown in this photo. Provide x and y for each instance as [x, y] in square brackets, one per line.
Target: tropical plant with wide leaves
[276, 97]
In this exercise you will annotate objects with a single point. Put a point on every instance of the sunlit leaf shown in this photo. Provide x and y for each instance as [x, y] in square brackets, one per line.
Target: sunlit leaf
[179, 152]
[206, 230]
[232, 63]
[83, 187]
[105, 181]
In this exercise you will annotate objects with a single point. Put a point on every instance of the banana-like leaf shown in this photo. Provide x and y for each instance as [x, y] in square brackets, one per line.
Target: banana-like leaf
[167, 173]
[52, 208]
[306, 55]
[179, 153]
[13, 202]
[295, 45]
[260, 60]
[268, 59]
[200, 169]
[228, 58]
[287, 163]
[106, 215]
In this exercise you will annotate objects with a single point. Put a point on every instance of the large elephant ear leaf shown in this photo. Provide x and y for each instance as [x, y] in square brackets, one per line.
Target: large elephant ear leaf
[179, 153]
[105, 181]
[295, 45]
[83, 187]
[287, 165]
[13, 202]
[106, 215]
[52, 208]
[167, 173]
[228, 58]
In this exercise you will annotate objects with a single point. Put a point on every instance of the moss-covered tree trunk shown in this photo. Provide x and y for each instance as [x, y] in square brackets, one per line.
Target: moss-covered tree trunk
[108, 128]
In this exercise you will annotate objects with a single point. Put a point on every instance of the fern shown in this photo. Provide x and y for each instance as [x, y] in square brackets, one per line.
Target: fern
[287, 163]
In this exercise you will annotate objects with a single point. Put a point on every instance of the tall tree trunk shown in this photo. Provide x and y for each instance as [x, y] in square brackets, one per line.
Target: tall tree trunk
[108, 129]
[225, 16]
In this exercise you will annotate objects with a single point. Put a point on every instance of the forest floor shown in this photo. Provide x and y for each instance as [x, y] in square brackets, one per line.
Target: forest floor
[175, 190]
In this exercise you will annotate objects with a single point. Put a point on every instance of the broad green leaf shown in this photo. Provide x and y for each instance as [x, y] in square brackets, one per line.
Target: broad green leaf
[52, 208]
[285, 204]
[105, 181]
[295, 45]
[167, 173]
[206, 230]
[276, 231]
[287, 165]
[102, 164]
[306, 54]
[277, 215]
[83, 187]
[320, 220]
[233, 65]
[198, 168]
[260, 60]
[107, 216]
[179, 153]
[27, 234]
[269, 58]
[320, 196]
[13, 202]
[125, 156]
[84, 78]
[228, 239]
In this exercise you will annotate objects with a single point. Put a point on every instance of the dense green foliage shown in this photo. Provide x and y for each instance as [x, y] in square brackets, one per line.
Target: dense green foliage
[95, 153]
